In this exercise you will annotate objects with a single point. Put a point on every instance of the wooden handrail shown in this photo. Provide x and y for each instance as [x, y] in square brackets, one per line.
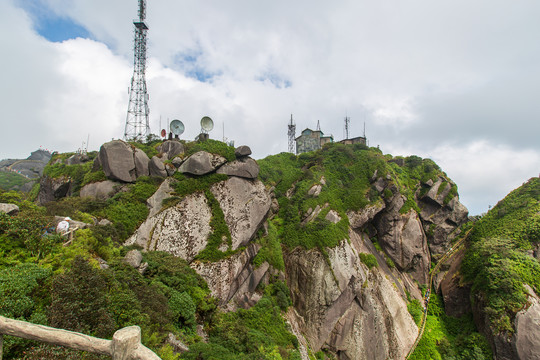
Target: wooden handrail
[125, 345]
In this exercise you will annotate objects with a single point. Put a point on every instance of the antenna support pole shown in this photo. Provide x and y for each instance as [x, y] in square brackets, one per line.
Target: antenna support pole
[137, 125]
[347, 122]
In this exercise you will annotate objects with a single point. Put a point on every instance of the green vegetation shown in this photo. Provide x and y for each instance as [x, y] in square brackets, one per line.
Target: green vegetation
[369, 260]
[446, 337]
[148, 147]
[220, 233]
[11, 180]
[496, 262]
[211, 146]
[344, 173]
[188, 185]
[271, 249]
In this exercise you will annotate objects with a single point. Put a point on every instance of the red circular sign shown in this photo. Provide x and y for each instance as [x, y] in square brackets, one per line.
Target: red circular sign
[163, 133]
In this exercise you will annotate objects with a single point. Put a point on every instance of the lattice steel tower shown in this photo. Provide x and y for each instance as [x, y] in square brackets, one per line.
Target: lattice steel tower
[291, 133]
[137, 126]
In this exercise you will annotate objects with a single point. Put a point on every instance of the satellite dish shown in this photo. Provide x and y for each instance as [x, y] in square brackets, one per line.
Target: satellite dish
[163, 133]
[177, 127]
[207, 124]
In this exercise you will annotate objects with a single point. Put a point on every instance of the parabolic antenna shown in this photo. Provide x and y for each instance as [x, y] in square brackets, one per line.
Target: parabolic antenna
[207, 124]
[177, 127]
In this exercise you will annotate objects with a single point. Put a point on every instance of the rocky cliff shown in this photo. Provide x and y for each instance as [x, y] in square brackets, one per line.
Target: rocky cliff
[351, 231]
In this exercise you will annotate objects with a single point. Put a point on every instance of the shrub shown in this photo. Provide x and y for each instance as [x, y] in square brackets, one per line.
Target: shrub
[369, 260]
[79, 301]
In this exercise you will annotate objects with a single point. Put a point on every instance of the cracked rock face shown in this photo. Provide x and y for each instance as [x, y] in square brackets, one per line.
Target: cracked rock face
[403, 239]
[245, 205]
[181, 230]
[440, 221]
[346, 308]
[233, 280]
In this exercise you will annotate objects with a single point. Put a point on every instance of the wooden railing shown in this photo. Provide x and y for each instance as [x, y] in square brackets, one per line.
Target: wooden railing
[125, 344]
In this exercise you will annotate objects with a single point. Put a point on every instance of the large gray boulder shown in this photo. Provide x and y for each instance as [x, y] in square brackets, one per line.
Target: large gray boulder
[157, 167]
[116, 158]
[245, 167]
[245, 204]
[242, 151]
[201, 163]
[171, 147]
[141, 162]
[133, 258]
[102, 190]
[10, 209]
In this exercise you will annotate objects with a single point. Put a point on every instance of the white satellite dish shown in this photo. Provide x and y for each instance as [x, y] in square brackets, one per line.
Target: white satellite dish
[177, 127]
[206, 124]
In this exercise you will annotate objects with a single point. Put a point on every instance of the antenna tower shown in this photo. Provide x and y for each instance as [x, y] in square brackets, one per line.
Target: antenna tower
[292, 134]
[347, 122]
[137, 126]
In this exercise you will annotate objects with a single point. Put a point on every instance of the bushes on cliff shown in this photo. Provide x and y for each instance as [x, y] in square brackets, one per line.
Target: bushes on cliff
[496, 262]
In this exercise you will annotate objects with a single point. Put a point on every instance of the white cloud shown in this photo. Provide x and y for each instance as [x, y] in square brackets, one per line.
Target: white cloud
[428, 78]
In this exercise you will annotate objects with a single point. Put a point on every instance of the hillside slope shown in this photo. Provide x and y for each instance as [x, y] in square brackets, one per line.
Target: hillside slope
[502, 266]
[321, 255]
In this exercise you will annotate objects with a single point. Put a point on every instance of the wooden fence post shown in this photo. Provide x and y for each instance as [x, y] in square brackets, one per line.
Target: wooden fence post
[124, 342]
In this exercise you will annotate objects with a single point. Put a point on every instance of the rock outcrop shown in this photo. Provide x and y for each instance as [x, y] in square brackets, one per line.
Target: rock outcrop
[157, 167]
[245, 167]
[181, 230]
[524, 344]
[171, 148]
[402, 237]
[242, 151]
[10, 209]
[344, 307]
[440, 220]
[245, 205]
[455, 295]
[201, 163]
[233, 280]
[527, 322]
[51, 189]
[122, 162]
[101, 190]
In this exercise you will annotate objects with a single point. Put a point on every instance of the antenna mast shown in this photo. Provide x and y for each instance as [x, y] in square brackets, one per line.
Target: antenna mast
[137, 126]
[291, 133]
[347, 122]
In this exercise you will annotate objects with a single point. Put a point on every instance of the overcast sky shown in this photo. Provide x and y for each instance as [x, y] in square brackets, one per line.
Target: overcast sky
[456, 81]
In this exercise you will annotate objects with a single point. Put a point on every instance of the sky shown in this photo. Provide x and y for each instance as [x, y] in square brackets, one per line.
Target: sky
[455, 81]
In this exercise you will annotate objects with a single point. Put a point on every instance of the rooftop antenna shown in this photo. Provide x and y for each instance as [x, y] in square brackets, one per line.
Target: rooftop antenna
[318, 125]
[364, 129]
[137, 126]
[347, 122]
[292, 134]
